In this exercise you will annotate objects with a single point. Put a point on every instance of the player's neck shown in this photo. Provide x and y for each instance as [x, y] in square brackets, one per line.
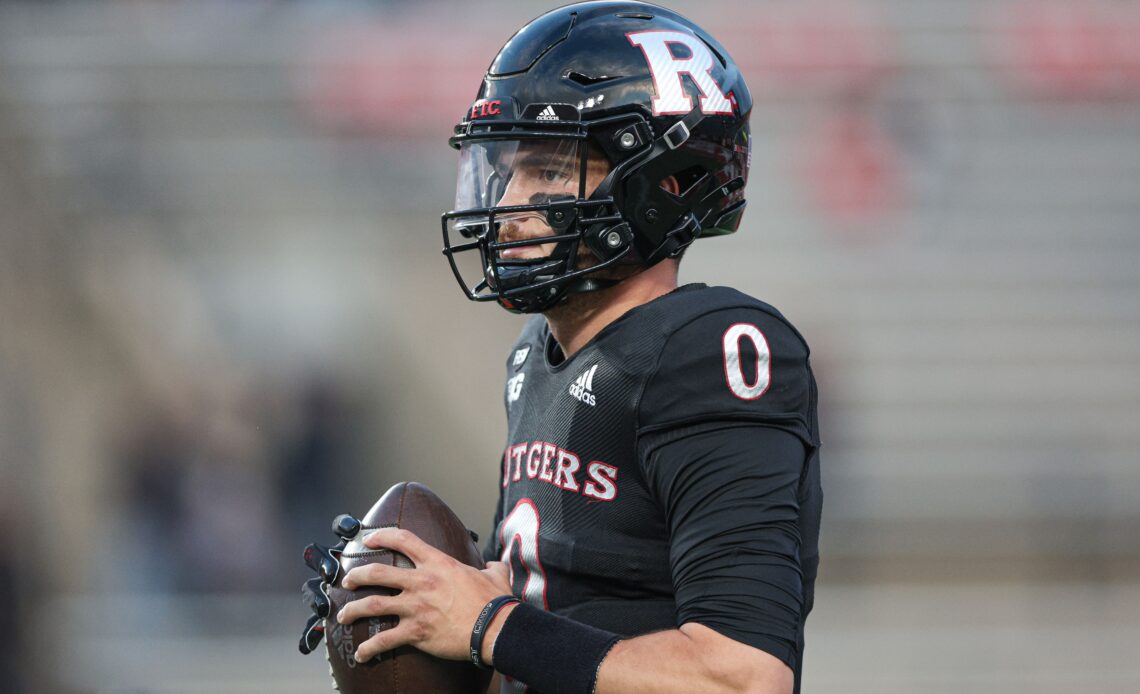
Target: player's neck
[578, 319]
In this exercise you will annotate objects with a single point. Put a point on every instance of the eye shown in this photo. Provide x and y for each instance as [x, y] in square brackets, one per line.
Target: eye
[554, 175]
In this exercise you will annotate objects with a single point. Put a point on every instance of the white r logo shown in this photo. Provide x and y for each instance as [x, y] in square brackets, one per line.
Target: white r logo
[667, 70]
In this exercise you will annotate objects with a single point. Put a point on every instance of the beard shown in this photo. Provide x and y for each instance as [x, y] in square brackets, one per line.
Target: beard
[580, 305]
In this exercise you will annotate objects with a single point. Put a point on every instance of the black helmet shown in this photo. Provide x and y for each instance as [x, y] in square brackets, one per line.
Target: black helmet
[628, 126]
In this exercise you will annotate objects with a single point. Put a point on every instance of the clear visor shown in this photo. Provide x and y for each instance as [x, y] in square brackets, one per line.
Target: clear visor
[513, 172]
[521, 207]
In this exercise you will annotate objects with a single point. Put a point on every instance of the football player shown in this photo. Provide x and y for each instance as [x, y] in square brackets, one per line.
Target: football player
[659, 506]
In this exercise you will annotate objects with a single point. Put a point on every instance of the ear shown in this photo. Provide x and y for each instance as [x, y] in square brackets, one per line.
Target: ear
[670, 185]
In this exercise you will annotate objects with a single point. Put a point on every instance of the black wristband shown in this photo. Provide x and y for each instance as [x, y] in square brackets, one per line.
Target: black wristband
[552, 654]
[482, 622]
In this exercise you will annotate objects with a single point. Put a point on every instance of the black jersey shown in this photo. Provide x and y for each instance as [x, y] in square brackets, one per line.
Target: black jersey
[595, 517]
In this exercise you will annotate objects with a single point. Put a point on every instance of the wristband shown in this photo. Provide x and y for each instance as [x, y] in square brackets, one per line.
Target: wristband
[486, 616]
[550, 653]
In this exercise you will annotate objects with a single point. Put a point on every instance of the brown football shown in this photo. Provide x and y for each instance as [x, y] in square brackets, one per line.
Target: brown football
[406, 670]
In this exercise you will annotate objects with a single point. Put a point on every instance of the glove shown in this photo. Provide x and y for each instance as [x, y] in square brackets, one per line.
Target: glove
[325, 561]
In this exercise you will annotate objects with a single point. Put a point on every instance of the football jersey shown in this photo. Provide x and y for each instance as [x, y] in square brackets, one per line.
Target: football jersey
[583, 531]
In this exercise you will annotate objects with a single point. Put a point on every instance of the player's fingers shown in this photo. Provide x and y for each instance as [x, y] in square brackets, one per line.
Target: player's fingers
[400, 635]
[311, 638]
[403, 541]
[314, 594]
[345, 526]
[372, 606]
[379, 575]
[320, 559]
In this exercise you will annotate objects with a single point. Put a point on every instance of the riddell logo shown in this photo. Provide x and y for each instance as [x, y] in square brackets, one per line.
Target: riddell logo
[583, 388]
[547, 114]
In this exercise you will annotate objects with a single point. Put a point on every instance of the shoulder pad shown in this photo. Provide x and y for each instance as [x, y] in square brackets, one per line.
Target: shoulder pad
[734, 363]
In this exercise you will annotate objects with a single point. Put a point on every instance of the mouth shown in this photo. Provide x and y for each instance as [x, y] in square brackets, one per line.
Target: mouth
[521, 253]
[526, 229]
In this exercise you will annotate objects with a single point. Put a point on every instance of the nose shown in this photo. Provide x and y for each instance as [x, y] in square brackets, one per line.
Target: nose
[508, 230]
[514, 193]
[515, 226]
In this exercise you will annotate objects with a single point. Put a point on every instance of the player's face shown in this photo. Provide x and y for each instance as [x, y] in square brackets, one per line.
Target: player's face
[511, 173]
[544, 172]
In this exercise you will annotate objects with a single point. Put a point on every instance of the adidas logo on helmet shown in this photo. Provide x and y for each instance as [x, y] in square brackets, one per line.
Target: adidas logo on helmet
[547, 114]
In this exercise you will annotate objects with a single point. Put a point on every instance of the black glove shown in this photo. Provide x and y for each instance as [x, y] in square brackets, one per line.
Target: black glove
[325, 561]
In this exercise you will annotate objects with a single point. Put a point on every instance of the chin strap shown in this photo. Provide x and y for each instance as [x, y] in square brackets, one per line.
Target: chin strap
[676, 239]
[589, 284]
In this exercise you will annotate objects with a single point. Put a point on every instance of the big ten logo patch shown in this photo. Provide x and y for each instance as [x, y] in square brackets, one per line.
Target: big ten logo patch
[514, 387]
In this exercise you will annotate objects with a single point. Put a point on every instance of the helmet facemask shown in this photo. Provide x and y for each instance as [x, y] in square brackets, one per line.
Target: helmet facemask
[537, 208]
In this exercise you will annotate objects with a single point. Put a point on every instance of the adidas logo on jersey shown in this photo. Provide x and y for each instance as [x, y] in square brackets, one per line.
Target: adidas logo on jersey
[583, 387]
[547, 114]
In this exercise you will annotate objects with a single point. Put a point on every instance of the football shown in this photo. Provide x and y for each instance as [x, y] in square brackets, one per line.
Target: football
[414, 507]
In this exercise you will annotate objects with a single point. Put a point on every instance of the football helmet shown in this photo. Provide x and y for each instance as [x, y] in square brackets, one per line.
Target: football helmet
[604, 134]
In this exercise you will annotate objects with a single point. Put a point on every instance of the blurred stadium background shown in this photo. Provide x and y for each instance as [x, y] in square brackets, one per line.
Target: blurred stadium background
[224, 318]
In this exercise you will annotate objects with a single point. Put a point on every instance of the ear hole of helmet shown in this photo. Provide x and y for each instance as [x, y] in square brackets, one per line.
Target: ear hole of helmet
[684, 182]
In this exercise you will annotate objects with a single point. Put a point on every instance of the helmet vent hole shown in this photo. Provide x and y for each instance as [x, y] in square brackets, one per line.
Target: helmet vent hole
[588, 80]
[634, 15]
[684, 182]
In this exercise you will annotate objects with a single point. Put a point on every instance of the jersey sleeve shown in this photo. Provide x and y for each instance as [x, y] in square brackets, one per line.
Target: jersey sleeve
[726, 430]
[738, 365]
[731, 503]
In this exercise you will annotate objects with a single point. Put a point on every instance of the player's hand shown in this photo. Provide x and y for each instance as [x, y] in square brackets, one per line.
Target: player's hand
[325, 561]
[440, 598]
